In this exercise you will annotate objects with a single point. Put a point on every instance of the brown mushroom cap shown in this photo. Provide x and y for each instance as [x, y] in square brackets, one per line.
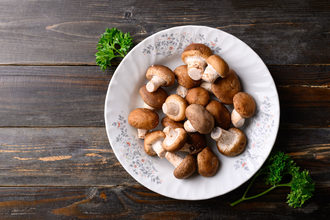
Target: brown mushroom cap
[198, 95]
[143, 118]
[207, 162]
[218, 64]
[225, 89]
[197, 142]
[193, 49]
[163, 72]
[220, 113]
[153, 99]
[235, 148]
[150, 139]
[167, 122]
[186, 168]
[244, 104]
[176, 106]
[175, 139]
[184, 79]
[200, 118]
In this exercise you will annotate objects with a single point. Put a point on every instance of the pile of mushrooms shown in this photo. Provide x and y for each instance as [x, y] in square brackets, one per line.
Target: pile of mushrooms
[205, 85]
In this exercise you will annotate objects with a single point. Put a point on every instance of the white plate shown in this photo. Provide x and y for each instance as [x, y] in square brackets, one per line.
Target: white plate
[165, 47]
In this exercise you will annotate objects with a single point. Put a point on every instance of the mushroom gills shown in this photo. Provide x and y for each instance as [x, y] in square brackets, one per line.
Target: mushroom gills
[174, 159]
[237, 119]
[157, 147]
[171, 108]
[155, 83]
[142, 133]
[210, 74]
[196, 66]
[225, 139]
[188, 126]
[187, 148]
[207, 86]
[171, 136]
[181, 91]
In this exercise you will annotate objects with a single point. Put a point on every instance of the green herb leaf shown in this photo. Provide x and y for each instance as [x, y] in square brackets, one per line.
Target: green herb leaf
[302, 188]
[113, 43]
[275, 169]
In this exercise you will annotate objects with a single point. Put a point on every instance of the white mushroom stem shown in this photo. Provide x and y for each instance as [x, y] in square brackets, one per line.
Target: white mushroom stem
[142, 133]
[210, 74]
[155, 83]
[220, 135]
[174, 159]
[237, 119]
[207, 86]
[195, 67]
[145, 105]
[170, 108]
[157, 147]
[188, 126]
[181, 91]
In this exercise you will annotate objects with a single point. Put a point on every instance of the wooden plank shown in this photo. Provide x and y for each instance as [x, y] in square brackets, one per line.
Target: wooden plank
[55, 96]
[303, 106]
[67, 33]
[307, 75]
[58, 156]
[83, 157]
[74, 96]
[136, 202]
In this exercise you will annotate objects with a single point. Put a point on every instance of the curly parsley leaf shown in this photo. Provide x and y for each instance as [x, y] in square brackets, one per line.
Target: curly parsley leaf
[276, 168]
[302, 188]
[113, 43]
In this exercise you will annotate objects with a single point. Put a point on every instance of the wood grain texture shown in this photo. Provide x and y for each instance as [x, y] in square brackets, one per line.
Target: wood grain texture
[136, 202]
[52, 96]
[66, 32]
[83, 157]
[56, 161]
[74, 95]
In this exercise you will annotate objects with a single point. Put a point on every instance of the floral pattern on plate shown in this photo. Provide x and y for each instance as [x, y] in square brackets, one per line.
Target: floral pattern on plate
[167, 44]
[132, 151]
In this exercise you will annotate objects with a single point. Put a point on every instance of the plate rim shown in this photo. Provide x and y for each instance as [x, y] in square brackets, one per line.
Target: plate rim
[107, 120]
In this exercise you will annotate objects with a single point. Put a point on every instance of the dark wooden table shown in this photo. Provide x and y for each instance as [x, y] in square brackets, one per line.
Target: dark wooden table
[56, 161]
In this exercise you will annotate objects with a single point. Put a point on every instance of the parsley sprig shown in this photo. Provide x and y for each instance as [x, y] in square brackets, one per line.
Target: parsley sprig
[113, 43]
[279, 166]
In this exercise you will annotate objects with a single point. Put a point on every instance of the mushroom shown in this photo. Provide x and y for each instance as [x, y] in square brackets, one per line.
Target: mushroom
[216, 67]
[174, 107]
[166, 121]
[198, 95]
[195, 143]
[143, 119]
[184, 81]
[244, 107]
[184, 168]
[153, 100]
[153, 143]
[220, 113]
[207, 86]
[225, 89]
[159, 75]
[207, 162]
[199, 119]
[231, 142]
[175, 138]
[195, 55]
